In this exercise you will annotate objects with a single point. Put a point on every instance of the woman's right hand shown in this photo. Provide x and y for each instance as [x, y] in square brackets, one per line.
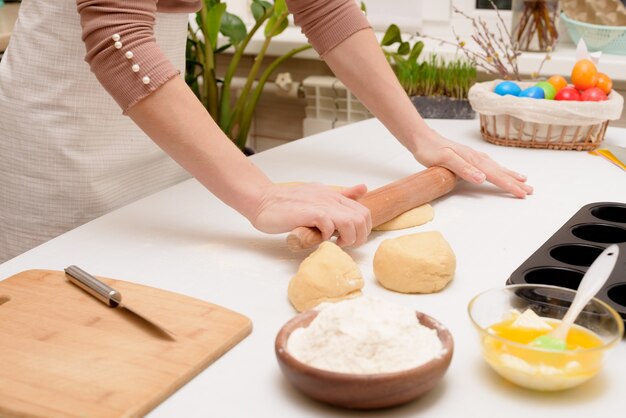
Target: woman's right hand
[283, 208]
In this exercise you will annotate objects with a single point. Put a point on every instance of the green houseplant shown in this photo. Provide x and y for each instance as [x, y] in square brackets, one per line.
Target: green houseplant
[233, 114]
[437, 88]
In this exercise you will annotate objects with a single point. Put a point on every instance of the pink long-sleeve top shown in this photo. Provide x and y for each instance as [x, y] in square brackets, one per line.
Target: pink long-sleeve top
[123, 54]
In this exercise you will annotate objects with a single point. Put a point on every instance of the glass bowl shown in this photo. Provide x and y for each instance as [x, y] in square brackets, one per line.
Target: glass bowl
[538, 368]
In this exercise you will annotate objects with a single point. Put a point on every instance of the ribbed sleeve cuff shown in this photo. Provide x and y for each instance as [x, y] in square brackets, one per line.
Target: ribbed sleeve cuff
[179, 6]
[327, 23]
[122, 50]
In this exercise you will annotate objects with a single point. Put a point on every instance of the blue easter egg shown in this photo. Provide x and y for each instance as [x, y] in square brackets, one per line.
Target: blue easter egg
[533, 92]
[507, 88]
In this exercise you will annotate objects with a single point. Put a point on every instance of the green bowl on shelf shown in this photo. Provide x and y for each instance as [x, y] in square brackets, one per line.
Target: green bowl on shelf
[609, 39]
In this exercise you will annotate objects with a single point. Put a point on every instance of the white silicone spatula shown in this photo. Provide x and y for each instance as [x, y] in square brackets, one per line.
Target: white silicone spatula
[592, 282]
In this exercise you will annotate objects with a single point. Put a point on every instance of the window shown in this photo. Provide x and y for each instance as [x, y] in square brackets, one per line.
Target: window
[407, 14]
[435, 18]
[478, 8]
[500, 4]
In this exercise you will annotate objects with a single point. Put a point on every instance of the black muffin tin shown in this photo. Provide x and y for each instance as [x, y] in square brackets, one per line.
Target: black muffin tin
[565, 257]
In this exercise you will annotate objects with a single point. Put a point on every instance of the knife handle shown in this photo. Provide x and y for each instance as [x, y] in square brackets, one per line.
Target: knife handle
[93, 286]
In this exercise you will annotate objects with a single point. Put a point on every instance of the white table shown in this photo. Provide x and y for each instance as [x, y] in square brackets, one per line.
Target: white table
[184, 230]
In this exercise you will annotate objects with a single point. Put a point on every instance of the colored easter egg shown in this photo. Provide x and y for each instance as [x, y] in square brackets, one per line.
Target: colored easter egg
[594, 94]
[533, 92]
[507, 88]
[583, 74]
[568, 93]
[603, 82]
[548, 89]
[558, 82]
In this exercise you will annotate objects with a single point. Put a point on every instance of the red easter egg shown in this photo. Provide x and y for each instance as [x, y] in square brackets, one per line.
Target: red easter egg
[594, 94]
[568, 93]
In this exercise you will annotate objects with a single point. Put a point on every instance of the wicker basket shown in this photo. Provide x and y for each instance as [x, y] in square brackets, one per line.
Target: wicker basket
[547, 124]
[510, 131]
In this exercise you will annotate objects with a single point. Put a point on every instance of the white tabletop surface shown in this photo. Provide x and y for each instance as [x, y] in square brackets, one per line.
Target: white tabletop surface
[184, 231]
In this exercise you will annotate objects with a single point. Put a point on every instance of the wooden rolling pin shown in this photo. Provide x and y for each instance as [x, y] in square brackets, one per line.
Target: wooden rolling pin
[387, 202]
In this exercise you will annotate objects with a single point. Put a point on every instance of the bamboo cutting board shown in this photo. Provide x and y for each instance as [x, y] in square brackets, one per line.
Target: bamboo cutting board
[65, 354]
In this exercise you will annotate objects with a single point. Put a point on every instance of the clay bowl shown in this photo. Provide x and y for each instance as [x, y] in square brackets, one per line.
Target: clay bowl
[362, 391]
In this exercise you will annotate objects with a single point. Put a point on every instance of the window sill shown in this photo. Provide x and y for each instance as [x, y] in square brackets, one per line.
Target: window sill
[561, 61]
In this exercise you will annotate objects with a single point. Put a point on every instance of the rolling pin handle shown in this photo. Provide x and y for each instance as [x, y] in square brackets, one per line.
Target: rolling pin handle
[303, 237]
[387, 202]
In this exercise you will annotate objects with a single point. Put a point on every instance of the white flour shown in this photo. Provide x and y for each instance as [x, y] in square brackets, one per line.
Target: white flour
[364, 335]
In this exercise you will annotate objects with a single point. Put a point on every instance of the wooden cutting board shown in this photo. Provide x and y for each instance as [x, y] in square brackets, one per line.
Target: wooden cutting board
[65, 354]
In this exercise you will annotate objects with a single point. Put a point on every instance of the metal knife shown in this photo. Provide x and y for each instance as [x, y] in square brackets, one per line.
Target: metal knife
[106, 294]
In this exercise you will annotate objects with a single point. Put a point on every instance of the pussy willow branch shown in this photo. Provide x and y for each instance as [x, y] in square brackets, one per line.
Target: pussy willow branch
[496, 54]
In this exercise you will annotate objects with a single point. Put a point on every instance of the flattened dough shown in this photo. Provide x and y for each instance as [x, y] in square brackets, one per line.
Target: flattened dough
[416, 263]
[327, 275]
[414, 217]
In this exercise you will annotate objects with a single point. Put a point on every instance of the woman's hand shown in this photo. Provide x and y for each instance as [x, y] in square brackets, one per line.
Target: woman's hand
[284, 208]
[469, 164]
[360, 64]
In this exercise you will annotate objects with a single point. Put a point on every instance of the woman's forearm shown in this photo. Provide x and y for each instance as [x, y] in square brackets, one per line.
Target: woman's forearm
[360, 64]
[176, 121]
[179, 124]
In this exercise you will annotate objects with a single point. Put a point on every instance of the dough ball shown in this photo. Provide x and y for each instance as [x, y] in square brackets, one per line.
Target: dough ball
[416, 263]
[414, 217]
[327, 275]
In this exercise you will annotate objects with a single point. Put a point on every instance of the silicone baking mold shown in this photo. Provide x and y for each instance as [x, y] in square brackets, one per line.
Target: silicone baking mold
[565, 257]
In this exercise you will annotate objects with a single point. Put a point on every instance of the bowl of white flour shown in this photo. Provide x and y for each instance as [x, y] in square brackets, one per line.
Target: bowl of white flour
[363, 353]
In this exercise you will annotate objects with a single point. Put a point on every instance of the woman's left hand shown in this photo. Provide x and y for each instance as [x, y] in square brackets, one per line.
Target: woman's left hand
[469, 164]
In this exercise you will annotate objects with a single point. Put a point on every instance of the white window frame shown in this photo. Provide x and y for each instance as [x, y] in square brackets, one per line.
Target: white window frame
[437, 17]
[407, 14]
[441, 18]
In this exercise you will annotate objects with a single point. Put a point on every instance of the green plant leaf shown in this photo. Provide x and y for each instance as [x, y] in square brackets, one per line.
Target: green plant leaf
[257, 10]
[233, 28]
[223, 48]
[271, 30]
[210, 3]
[364, 8]
[269, 25]
[392, 35]
[280, 7]
[416, 50]
[281, 28]
[404, 48]
[211, 27]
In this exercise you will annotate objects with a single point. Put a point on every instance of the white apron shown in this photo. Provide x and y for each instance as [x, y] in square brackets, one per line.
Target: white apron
[67, 154]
